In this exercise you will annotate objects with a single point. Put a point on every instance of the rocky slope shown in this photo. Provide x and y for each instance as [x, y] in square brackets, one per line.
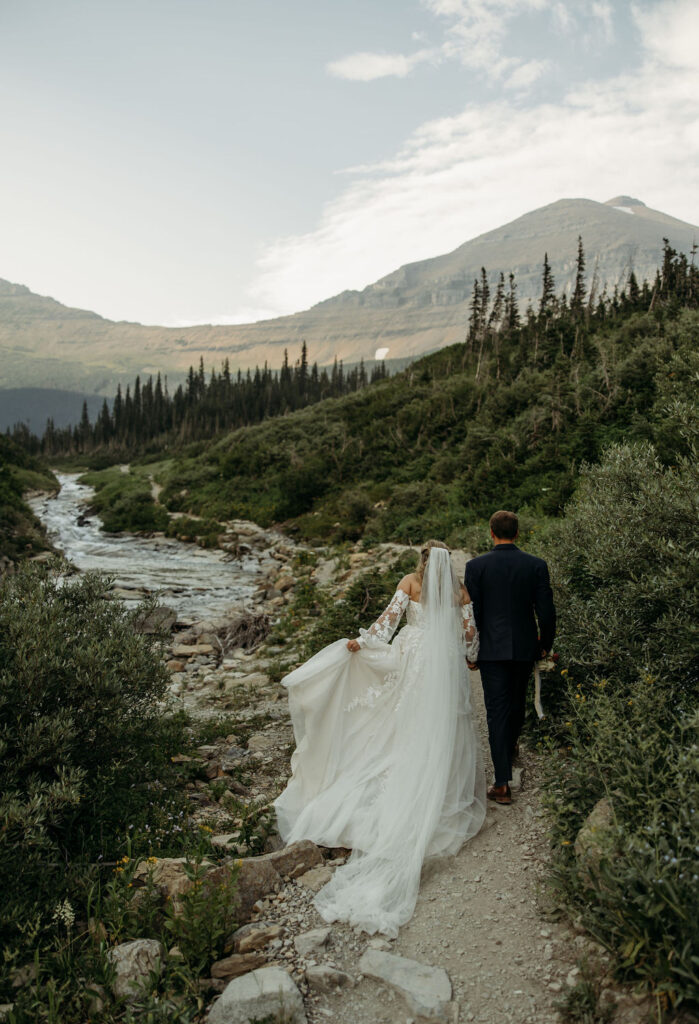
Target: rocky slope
[420, 307]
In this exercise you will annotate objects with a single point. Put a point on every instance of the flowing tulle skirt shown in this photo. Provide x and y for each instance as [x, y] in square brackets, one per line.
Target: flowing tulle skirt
[387, 764]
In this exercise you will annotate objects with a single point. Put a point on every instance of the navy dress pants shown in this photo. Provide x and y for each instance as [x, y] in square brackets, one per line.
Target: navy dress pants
[505, 692]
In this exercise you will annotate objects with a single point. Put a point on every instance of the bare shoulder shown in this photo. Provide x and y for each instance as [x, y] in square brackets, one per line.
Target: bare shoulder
[409, 584]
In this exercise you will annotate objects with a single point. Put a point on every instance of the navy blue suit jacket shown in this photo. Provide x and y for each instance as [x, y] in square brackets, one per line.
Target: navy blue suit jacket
[509, 588]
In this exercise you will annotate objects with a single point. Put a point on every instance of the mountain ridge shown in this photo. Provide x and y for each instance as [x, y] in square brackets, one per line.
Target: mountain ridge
[421, 306]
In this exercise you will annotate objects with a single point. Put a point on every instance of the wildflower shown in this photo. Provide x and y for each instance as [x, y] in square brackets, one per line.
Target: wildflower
[565, 842]
[564, 671]
[152, 860]
[64, 914]
[629, 702]
[569, 723]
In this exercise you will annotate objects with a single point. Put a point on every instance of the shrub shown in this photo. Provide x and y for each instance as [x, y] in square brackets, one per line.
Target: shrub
[84, 746]
[624, 724]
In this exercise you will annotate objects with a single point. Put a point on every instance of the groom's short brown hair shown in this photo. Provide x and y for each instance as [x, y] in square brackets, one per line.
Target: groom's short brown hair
[505, 525]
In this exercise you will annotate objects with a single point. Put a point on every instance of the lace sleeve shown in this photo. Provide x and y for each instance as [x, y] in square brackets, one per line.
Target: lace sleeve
[470, 632]
[387, 622]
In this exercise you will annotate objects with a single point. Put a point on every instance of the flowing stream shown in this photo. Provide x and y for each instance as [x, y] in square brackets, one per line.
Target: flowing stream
[198, 583]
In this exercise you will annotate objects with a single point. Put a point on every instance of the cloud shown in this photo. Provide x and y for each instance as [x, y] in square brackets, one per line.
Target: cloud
[526, 74]
[366, 67]
[670, 31]
[456, 177]
[602, 10]
[475, 35]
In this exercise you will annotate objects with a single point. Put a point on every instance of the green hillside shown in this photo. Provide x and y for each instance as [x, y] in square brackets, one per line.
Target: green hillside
[502, 420]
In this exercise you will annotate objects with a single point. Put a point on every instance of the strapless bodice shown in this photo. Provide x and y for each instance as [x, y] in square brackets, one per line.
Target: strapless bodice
[414, 613]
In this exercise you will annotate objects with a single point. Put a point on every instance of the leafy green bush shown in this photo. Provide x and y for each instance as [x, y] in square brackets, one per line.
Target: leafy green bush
[624, 724]
[204, 532]
[20, 532]
[84, 746]
[124, 501]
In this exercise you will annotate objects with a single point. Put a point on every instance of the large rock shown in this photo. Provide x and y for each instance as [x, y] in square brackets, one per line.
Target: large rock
[296, 859]
[265, 993]
[316, 878]
[133, 964]
[237, 964]
[426, 990]
[596, 839]
[262, 742]
[168, 875]
[158, 620]
[325, 978]
[311, 942]
[255, 878]
[256, 936]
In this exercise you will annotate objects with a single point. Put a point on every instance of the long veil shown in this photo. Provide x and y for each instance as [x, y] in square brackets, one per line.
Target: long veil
[431, 798]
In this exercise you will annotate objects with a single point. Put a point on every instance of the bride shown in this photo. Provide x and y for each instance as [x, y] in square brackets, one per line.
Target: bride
[386, 760]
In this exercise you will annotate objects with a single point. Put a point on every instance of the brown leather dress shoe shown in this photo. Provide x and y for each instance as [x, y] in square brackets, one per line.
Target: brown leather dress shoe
[500, 794]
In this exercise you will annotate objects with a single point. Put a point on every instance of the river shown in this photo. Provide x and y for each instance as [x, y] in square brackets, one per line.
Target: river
[198, 583]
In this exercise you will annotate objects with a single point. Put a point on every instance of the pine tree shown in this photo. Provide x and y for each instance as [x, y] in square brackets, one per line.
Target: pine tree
[512, 317]
[577, 301]
[474, 316]
[548, 290]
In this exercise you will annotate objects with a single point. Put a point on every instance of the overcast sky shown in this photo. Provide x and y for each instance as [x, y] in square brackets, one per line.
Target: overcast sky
[184, 161]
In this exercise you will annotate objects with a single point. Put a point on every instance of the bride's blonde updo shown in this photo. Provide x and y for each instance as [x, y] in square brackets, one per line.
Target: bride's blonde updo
[425, 554]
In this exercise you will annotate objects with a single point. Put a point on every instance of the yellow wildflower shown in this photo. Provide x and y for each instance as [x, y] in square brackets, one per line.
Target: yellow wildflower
[564, 671]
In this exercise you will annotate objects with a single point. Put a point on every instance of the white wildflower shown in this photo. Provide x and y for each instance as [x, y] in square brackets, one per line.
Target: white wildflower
[64, 914]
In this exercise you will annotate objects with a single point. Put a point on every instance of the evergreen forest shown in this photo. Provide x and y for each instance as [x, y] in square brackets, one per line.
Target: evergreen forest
[504, 419]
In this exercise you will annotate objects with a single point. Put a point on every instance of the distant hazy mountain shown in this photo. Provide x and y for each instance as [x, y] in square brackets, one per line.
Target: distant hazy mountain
[33, 406]
[421, 306]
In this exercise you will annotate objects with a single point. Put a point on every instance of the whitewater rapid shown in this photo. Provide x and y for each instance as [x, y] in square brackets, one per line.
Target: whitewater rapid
[197, 583]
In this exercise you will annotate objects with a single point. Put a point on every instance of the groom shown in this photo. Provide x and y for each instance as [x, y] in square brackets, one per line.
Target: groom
[508, 587]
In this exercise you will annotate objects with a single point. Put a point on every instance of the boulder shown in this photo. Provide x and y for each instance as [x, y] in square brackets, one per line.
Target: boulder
[262, 742]
[256, 936]
[311, 942]
[255, 878]
[325, 978]
[596, 839]
[133, 963]
[237, 964]
[284, 583]
[426, 990]
[316, 878]
[158, 620]
[184, 650]
[265, 993]
[295, 859]
[168, 874]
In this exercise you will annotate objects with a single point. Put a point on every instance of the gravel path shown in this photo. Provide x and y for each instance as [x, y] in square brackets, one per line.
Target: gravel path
[478, 916]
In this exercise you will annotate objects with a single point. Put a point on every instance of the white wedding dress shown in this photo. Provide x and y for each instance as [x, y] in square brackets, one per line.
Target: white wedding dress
[387, 760]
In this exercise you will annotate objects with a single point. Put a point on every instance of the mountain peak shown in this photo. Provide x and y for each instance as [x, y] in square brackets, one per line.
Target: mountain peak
[624, 201]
